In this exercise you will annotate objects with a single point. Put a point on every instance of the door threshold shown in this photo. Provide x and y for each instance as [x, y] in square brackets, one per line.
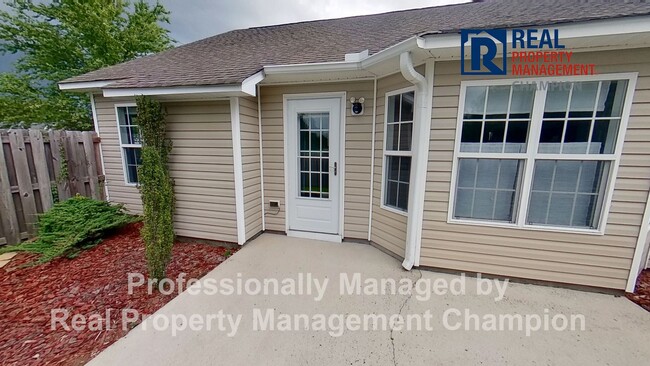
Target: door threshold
[336, 238]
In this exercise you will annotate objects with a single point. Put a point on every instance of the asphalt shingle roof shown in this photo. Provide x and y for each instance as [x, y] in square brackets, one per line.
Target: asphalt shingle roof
[231, 57]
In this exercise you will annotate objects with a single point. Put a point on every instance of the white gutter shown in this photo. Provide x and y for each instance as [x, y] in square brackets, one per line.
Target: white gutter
[594, 28]
[238, 170]
[246, 88]
[259, 129]
[85, 85]
[420, 148]
[132, 92]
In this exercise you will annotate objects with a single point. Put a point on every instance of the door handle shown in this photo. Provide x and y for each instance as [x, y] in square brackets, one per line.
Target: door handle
[335, 168]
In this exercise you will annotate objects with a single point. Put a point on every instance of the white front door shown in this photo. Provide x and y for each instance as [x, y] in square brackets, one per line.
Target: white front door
[314, 167]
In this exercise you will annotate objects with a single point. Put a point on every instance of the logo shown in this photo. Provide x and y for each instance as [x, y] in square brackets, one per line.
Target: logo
[535, 52]
[485, 46]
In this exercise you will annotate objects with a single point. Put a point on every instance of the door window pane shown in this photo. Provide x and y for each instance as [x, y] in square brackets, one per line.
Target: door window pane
[314, 155]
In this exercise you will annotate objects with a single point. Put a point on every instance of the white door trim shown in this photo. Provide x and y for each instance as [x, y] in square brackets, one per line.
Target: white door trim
[285, 122]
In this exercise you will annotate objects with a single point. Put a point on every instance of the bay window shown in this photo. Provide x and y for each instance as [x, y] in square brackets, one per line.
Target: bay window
[537, 154]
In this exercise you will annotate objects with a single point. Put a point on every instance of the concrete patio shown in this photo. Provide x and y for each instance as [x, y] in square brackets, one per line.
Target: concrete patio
[616, 330]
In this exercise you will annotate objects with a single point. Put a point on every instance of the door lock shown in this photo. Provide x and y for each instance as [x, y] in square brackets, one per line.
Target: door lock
[335, 168]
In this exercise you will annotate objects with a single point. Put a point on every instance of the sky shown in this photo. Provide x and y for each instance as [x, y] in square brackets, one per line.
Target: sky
[192, 20]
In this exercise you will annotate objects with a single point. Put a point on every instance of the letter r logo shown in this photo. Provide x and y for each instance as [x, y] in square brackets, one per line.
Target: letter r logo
[483, 49]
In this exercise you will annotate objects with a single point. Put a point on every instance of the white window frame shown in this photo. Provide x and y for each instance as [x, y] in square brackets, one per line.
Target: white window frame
[531, 153]
[386, 152]
[123, 146]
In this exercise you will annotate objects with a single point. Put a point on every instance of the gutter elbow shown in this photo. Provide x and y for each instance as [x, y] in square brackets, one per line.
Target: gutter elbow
[408, 71]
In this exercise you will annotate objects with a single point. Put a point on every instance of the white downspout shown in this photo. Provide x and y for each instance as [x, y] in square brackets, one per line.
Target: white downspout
[259, 121]
[420, 148]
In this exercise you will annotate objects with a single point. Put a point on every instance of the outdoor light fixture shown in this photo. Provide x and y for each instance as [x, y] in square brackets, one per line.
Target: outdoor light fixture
[357, 106]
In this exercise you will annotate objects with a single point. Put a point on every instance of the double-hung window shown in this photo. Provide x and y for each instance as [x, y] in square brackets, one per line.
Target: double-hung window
[537, 154]
[130, 142]
[398, 150]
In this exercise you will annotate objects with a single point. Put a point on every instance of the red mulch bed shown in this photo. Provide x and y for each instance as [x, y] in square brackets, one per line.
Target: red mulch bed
[89, 284]
[642, 294]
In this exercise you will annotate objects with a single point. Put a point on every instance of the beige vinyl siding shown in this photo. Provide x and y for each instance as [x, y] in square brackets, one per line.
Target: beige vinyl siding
[250, 145]
[593, 260]
[358, 130]
[201, 165]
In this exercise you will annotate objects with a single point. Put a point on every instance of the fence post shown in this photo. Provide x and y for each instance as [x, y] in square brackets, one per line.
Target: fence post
[89, 150]
[25, 187]
[40, 165]
[60, 176]
[8, 219]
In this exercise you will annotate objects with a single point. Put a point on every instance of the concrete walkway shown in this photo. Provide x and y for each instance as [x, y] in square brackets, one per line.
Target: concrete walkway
[617, 332]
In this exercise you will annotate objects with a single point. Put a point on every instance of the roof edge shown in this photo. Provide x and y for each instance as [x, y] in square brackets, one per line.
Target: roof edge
[246, 88]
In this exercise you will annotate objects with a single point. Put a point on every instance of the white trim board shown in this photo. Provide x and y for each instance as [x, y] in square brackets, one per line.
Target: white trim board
[238, 170]
[372, 158]
[85, 85]
[638, 262]
[285, 127]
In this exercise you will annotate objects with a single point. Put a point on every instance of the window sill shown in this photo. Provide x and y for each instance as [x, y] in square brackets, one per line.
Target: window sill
[394, 210]
[504, 225]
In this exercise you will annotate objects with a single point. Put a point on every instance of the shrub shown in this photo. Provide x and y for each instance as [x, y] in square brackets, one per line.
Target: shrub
[73, 225]
[156, 187]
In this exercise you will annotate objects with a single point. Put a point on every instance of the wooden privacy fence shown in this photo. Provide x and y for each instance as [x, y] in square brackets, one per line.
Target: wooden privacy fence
[39, 168]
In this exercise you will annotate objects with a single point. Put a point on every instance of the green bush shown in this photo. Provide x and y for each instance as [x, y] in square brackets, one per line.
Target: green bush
[71, 226]
[156, 187]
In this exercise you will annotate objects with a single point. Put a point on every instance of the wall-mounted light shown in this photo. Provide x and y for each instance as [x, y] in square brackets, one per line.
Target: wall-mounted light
[357, 106]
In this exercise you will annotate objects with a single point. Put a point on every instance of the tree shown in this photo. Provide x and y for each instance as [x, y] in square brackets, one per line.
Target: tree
[60, 39]
[156, 187]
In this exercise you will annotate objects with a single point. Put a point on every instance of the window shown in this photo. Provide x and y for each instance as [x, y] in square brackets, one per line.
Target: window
[397, 150]
[314, 154]
[130, 142]
[531, 156]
